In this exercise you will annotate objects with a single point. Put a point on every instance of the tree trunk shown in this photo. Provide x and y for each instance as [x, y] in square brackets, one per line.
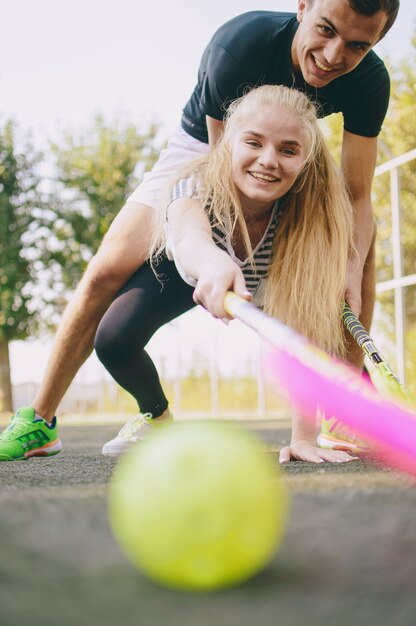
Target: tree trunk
[6, 400]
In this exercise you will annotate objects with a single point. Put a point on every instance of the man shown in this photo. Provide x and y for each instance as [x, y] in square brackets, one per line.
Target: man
[325, 50]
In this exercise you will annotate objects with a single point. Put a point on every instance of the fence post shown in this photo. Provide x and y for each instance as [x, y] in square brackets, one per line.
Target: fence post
[261, 391]
[397, 270]
[213, 373]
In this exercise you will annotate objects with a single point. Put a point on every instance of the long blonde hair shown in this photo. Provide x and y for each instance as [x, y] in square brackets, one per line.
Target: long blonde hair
[306, 279]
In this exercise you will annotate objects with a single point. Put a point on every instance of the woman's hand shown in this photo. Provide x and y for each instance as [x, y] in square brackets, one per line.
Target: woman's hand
[306, 451]
[219, 275]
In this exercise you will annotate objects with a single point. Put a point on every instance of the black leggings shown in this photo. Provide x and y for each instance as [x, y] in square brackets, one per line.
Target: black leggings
[140, 309]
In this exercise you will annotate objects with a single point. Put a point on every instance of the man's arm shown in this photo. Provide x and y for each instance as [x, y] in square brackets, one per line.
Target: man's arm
[215, 128]
[358, 163]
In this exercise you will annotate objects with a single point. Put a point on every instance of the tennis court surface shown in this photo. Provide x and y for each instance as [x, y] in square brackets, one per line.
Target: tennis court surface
[348, 556]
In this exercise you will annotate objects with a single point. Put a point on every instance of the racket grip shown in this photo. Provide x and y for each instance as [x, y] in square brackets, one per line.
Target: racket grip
[364, 341]
[354, 326]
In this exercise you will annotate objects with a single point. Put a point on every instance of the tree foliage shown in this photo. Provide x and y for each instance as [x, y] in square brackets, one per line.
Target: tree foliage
[20, 222]
[96, 171]
[21, 206]
[399, 137]
[50, 228]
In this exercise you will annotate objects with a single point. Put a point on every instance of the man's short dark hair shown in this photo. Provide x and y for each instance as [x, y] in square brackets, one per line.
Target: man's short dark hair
[369, 7]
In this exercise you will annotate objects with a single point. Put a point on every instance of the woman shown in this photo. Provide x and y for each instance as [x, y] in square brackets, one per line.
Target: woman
[277, 227]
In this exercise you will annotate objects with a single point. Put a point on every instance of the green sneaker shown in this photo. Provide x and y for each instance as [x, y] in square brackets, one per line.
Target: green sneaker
[28, 435]
[338, 436]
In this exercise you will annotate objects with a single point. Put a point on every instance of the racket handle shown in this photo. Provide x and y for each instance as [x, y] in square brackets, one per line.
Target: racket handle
[354, 326]
[363, 339]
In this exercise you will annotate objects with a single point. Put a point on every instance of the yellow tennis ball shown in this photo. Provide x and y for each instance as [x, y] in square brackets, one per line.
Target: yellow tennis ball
[198, 506]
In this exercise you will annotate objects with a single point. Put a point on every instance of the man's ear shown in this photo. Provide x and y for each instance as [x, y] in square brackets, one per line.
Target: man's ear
[301, 9]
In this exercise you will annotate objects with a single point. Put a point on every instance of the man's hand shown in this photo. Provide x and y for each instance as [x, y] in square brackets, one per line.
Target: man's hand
[306, 451]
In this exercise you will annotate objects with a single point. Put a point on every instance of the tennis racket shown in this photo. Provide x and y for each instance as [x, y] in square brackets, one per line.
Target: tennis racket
[313, 380]
[383, 377]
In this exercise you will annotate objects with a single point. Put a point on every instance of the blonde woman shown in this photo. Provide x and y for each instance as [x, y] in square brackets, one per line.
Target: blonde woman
[263, 214]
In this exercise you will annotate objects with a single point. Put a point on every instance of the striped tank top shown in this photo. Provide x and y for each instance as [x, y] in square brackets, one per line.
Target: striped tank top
[254, 274]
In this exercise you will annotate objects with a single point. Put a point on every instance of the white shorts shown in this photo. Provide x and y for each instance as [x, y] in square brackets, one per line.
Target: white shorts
[180, 149]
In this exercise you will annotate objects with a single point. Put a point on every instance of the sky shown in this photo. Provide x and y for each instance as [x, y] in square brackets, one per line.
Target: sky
[62, 63]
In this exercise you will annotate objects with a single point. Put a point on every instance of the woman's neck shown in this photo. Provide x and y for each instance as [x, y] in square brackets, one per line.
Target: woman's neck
[257, 224]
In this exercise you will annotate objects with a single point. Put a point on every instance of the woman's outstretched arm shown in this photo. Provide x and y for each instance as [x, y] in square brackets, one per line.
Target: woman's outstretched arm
[198, 257]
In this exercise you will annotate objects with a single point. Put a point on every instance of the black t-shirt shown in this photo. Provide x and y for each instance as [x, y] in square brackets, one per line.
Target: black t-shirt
[254, 49]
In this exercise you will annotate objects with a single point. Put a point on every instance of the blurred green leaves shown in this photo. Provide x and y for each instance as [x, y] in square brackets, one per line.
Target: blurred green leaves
[52, 222]
[95, 172]
[20, 208]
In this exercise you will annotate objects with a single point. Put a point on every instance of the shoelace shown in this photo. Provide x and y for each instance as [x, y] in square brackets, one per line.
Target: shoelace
[134, 423]
[19, 426]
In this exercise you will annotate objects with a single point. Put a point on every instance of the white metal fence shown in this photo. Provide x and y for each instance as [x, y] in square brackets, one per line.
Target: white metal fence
[399, 281]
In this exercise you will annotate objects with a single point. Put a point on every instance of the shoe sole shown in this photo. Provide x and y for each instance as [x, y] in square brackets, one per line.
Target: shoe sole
[117, 451]
[49, 449]
[324, 441]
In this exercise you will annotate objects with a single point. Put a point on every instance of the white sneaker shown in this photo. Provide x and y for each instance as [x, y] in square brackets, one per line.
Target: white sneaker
[136, 429]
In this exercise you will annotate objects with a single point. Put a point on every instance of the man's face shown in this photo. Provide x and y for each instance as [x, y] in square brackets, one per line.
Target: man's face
[332, 39]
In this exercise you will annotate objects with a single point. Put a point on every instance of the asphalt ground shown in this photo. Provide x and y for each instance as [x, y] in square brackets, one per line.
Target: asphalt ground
[348, 555]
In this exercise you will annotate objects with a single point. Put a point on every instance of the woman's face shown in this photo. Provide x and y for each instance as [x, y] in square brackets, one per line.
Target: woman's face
[267, 154]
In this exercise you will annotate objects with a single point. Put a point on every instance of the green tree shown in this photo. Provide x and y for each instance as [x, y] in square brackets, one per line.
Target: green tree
[397, 138]
[20, 218]
[96, 171]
